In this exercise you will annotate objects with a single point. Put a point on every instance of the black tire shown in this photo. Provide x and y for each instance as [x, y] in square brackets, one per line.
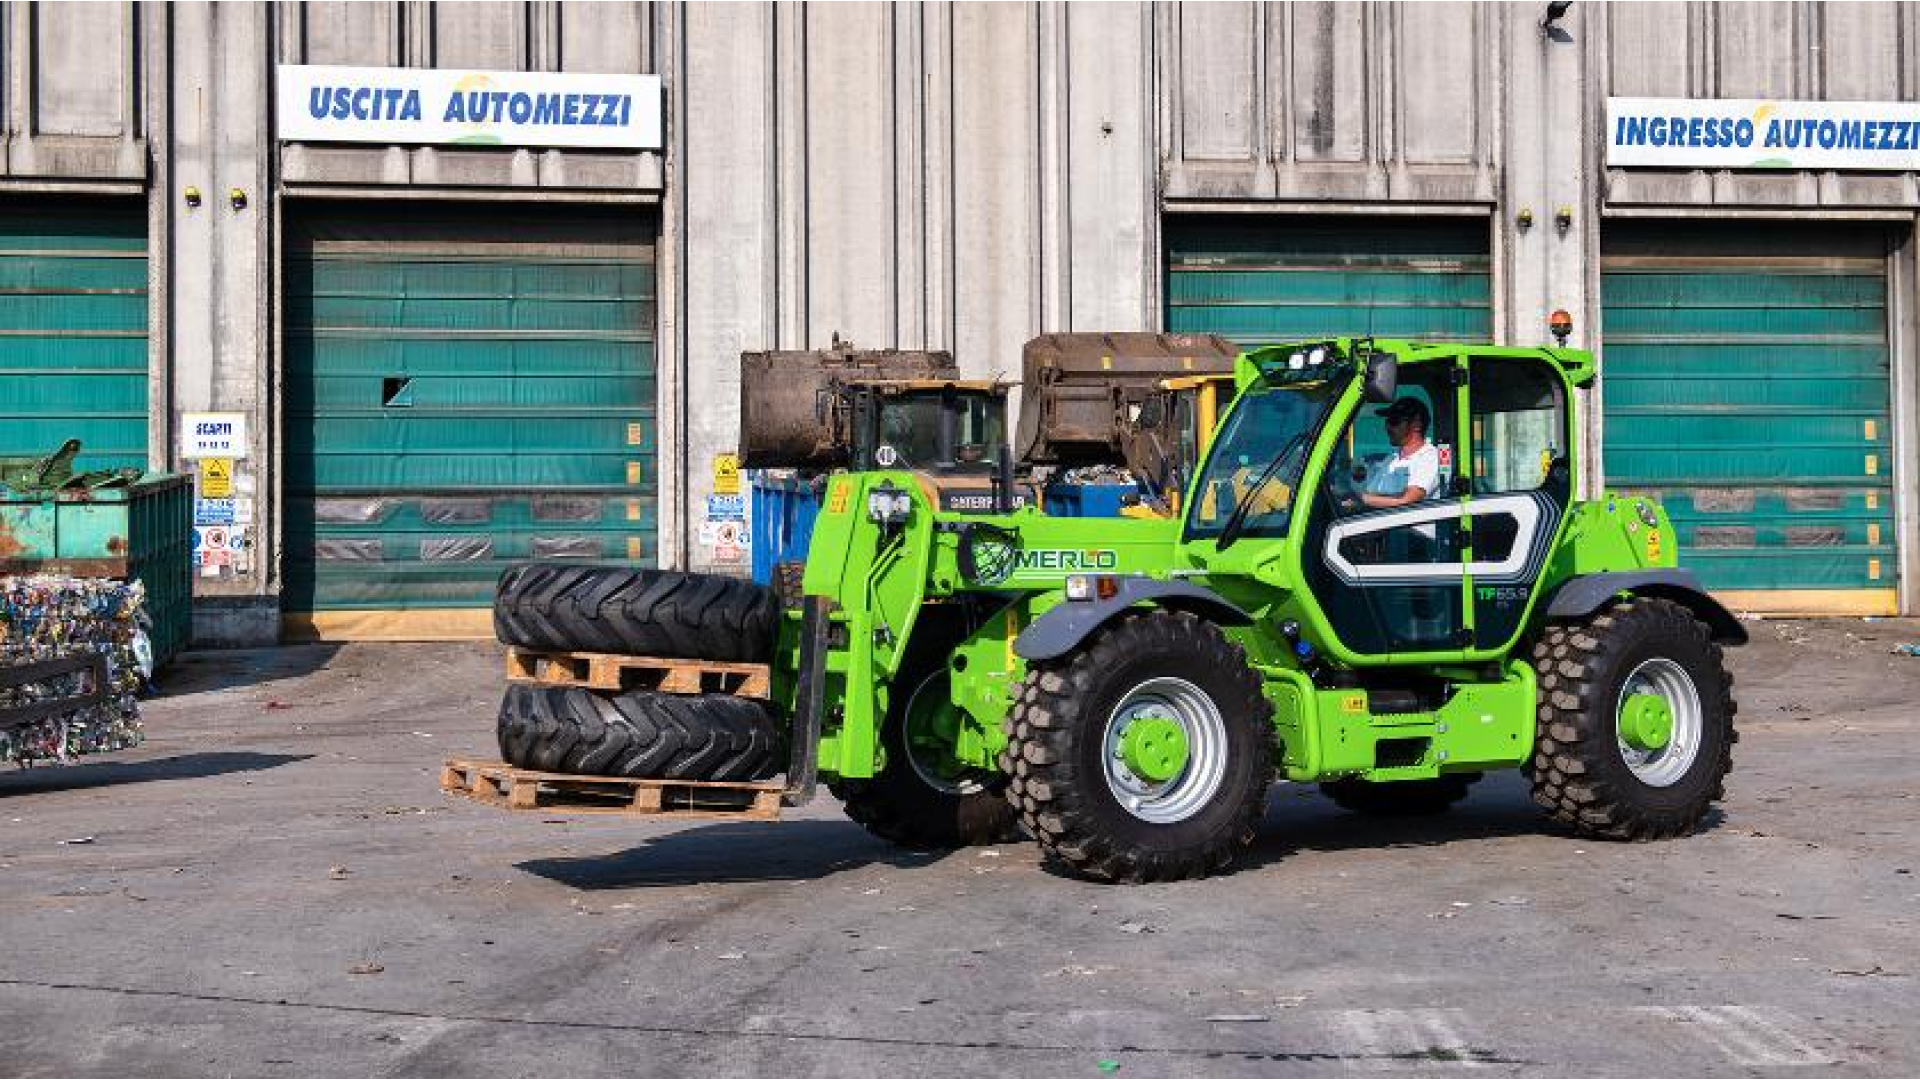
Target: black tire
[901, 807]
[1399, 798]
[633, 611]
[1579, 770]
[1056, 751]
[641, 734]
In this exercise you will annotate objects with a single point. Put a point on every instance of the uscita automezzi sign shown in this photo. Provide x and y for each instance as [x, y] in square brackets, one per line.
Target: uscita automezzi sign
[436, 106]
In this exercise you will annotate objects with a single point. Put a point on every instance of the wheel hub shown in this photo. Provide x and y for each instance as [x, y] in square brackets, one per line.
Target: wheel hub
[1164, 747]
[1154, 748]
[1660, 721]
[1646, 722]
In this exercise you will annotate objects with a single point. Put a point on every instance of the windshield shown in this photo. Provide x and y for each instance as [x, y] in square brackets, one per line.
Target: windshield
[1266, 422]
[915, 432]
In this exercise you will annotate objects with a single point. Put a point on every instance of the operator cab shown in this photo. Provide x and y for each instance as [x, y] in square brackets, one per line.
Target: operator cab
[1431, 496]
[926, 426]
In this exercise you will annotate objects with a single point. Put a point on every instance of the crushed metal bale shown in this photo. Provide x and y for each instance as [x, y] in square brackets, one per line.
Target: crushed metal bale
[50, 618]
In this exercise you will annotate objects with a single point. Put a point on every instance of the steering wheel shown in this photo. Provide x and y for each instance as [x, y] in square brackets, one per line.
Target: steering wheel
[1344, 489]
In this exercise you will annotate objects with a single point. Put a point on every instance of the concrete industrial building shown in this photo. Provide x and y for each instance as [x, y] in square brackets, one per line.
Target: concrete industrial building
[446, 351]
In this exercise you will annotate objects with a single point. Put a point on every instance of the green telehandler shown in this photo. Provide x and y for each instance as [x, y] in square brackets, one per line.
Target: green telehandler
[1381, 581]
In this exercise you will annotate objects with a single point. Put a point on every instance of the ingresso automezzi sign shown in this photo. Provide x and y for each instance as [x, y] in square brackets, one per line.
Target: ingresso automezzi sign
[471, 108]
[1751, 134]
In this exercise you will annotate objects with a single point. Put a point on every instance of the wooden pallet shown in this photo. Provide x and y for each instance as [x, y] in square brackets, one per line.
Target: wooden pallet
[604, 671]
[499, 784]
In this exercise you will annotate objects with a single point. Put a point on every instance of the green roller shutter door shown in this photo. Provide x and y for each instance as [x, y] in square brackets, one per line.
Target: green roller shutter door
[73, 332]
[464, 391]
[1745, 375]
[1261, 279]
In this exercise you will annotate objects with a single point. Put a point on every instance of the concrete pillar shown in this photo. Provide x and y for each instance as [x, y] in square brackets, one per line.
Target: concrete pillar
[1545, 170]
[219, 286]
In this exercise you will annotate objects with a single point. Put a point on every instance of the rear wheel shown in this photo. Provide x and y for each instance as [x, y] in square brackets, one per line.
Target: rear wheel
[1399, 798]
[1144, 755]
[1635, 733]
[922, 798]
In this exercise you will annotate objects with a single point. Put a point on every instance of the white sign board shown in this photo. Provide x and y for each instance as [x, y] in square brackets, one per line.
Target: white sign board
[470, 108]
[1746, 134]
[213, 435]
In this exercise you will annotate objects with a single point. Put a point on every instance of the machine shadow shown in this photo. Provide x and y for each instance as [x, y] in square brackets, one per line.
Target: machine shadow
[87, 775]
[1300, 819]
[732, 853]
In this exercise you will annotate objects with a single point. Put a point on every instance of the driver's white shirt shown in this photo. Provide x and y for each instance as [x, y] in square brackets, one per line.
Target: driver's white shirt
[1419, 469]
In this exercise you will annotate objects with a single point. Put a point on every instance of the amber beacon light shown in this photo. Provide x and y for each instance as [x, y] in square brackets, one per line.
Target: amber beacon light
[1561, 324]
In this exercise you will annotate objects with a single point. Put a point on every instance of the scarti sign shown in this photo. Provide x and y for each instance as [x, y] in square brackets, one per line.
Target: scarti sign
[320, 103]
[1754, 134]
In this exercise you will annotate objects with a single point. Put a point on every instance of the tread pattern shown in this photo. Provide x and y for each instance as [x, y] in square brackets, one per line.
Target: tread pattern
[642, 734]
[1573, 770]
[635, 611]
[1054, 794]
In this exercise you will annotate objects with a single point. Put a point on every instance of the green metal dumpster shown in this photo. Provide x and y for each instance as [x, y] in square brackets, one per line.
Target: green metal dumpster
[142, 531]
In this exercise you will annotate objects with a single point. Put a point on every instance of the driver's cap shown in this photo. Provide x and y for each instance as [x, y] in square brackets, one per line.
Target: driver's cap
[1405, 409]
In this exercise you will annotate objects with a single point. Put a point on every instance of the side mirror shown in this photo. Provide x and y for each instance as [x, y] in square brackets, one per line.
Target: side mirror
[1382, 378]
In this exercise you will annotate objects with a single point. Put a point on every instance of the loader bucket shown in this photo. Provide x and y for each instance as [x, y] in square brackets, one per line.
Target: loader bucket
[787, 420]
[1081, 391]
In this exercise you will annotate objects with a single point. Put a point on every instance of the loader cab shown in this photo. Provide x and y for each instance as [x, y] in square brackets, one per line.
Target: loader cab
[1176, 421]
[938, 427]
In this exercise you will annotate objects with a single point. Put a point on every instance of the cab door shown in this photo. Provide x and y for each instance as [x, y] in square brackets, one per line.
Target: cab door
[1521, 484]
[1393, 580]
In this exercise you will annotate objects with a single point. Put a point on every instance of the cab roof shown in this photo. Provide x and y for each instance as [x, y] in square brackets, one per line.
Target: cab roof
[1576, 364]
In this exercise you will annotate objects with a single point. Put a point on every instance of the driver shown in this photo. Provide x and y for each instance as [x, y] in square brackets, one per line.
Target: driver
[1413, 473]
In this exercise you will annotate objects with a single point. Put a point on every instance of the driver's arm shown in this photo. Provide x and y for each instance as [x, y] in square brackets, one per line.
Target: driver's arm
[1406, 498]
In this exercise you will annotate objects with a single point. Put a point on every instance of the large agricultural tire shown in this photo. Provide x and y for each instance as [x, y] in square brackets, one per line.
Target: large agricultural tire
[1584, 770]
[1399, 798]
[1072, 751]
[908, 803]
[641, 734]
[633, 611]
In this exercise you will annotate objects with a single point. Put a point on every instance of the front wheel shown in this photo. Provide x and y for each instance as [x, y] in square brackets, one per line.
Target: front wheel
[1145, 754]
[1635, 733]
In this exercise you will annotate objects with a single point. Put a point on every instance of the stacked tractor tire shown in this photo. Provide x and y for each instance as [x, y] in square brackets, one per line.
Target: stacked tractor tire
[562, 608]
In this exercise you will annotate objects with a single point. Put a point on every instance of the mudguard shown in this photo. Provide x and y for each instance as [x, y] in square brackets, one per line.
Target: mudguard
[1069, 623]
[1582, 596]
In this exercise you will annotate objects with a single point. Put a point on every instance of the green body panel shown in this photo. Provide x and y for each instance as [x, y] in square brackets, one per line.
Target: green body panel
[1750, 391]
[1330, 733]
[73, 314]
[456, 405]
[888, 579]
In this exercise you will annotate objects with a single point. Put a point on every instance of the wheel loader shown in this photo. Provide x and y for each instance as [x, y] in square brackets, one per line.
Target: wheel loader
[1382, 579]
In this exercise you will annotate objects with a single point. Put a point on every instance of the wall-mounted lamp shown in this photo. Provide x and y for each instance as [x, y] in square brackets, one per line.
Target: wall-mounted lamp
[237, 198]
[191, 195]
[1550, 26]
[1524, 218]
[1563, 219]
